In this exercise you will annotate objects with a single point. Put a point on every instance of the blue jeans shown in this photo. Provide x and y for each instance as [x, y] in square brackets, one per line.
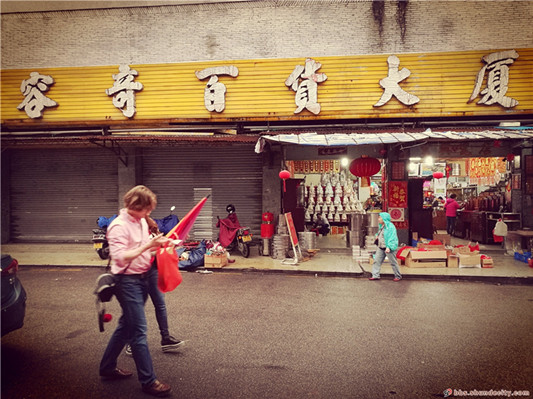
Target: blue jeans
[158, 299]
[379, 257]
[132, 293]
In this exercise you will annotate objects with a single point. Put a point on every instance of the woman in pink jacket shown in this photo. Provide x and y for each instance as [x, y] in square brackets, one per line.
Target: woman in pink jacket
[451, 206]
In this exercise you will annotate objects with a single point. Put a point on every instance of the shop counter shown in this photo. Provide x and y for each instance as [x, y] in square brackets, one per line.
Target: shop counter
[478, 225]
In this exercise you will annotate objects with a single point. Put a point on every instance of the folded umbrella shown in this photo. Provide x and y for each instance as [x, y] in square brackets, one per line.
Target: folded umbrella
[181, 230]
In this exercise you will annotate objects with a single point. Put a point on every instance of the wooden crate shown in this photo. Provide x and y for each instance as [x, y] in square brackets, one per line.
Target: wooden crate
[215, 261]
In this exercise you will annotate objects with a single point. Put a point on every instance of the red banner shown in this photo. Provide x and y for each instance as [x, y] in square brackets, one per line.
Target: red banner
[397, 194]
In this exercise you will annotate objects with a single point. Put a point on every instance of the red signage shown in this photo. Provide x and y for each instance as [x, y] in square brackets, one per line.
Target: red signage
[398, 194]
[292, 229]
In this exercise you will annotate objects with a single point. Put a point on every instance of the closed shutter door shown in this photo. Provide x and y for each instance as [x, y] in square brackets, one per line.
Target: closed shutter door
[57, 194]
[181, 175]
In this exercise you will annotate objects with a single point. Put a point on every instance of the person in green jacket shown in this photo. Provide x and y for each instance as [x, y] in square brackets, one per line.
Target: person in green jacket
[387, 242]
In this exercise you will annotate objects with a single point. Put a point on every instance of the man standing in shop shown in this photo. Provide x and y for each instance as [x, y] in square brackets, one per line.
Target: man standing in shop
[451, 208]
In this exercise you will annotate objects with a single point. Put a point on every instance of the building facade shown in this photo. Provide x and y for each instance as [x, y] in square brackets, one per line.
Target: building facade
[177, 97]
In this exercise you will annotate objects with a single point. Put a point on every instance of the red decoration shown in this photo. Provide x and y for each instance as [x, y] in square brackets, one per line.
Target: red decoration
[107, 318]
[438, 175]
[448, 170]
[365, 166]
[510, 157]
[284, 174]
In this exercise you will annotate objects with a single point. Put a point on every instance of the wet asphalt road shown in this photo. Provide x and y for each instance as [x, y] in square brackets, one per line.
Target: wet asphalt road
[257, 335]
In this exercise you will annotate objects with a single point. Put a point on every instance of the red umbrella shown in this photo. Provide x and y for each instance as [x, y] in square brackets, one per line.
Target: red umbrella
[184, 226]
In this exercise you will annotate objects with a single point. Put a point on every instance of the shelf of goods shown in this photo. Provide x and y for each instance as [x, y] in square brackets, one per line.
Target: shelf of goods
[334, 201]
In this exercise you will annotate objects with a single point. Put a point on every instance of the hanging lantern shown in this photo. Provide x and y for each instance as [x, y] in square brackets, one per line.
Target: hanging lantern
[383, 152]
[365, 167]
[284, 174]
[510, 157]
[438, 175]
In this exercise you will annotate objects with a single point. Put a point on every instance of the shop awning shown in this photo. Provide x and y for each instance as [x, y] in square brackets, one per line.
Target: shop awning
[327, 139]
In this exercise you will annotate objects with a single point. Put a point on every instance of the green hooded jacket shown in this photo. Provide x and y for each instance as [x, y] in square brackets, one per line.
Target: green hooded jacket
[389, 232]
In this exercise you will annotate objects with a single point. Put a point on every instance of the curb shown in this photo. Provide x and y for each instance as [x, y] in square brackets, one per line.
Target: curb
[500, 280]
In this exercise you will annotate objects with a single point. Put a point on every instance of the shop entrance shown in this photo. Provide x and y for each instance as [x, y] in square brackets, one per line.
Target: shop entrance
[323, 196]
[482, 186]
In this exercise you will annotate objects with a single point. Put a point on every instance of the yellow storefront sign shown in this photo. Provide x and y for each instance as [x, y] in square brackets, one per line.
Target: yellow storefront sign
[349, 88]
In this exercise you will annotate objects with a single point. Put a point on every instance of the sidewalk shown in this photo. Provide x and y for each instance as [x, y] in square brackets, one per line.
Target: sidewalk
[327, 262]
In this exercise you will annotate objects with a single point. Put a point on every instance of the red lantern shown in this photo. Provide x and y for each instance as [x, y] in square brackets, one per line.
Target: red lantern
[510, 157]
[365, 167]
[438, 175]
[284, 174]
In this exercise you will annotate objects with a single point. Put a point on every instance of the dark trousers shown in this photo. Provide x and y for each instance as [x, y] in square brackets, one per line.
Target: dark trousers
[450, 224]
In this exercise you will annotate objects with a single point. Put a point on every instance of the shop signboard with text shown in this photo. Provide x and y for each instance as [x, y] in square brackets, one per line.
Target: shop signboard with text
[454, 84]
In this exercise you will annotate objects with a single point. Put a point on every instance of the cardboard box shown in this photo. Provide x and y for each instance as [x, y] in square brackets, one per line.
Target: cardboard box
[215, 261]
[436, 258]
[443, 237]
[453, 261]
[409, 262]
[470, 260]
[461, 250]
[487, 263]
[425, 255]
[431, 247]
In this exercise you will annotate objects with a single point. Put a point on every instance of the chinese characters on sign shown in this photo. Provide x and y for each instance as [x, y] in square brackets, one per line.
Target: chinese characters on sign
[304, 81]
[398, 194]
[33, 89]
[497, 79]
[123, 90]
[214, 92]
[392, 87]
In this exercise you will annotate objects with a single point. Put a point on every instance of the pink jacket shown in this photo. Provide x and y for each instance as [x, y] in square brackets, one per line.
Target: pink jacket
[125, 233]
[451, 207]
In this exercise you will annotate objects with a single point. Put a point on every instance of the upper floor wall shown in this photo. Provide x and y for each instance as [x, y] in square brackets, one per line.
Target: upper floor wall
[260, 29]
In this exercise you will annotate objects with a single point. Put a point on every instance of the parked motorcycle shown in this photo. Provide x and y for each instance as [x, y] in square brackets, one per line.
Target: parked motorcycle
[99, 239]
[232, 235]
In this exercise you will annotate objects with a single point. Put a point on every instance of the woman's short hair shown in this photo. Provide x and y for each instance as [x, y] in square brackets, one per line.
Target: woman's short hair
[140, 198]
[453, 196]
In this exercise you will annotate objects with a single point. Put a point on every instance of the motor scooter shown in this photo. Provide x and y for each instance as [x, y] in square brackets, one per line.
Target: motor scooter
[99, 239]
[232, 235]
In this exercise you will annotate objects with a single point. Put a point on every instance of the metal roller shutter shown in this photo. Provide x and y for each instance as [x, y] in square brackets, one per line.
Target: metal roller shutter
[57, 194]
[182, 175]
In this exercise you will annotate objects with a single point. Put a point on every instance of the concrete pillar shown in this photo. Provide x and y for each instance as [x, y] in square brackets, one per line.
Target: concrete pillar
[127, 174]
[271, 182]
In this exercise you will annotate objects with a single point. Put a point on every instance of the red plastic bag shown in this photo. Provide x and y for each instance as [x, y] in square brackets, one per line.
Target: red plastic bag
[167, 267]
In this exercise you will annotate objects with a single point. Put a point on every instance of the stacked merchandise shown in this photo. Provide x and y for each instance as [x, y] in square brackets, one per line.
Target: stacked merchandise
[307, 240]
[372, 227]
[334, 197]
[360, 255]
[281, 241]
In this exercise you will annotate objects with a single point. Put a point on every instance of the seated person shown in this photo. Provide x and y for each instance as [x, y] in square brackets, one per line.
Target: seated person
[321, 225]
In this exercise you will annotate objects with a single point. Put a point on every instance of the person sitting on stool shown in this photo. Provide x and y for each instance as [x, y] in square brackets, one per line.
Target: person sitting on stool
[321, 225]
